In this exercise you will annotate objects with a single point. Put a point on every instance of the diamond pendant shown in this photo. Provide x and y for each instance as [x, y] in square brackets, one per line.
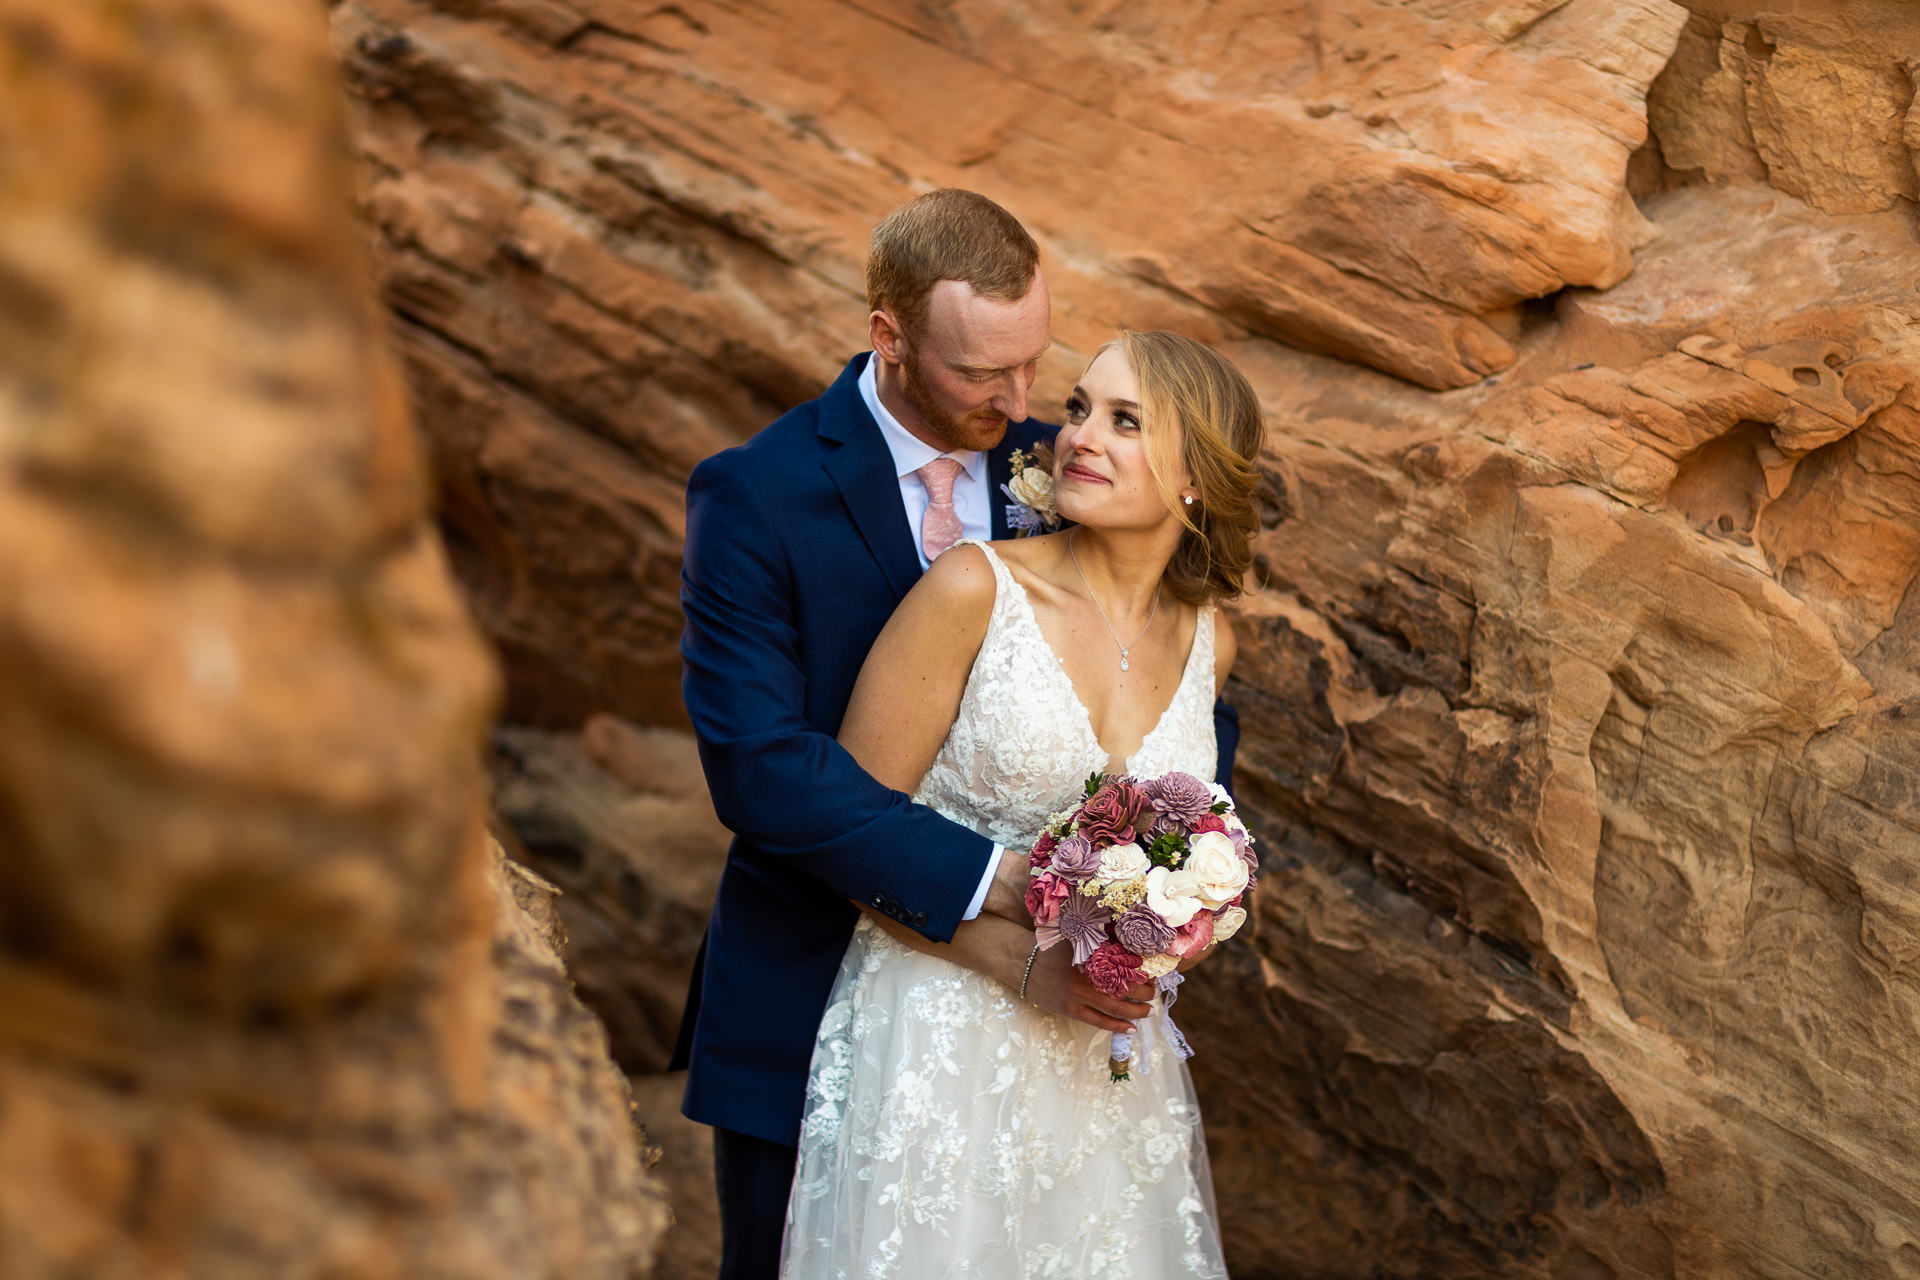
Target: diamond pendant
[1123, 662]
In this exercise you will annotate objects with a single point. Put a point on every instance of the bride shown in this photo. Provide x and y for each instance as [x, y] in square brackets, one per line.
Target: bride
[959, 1119]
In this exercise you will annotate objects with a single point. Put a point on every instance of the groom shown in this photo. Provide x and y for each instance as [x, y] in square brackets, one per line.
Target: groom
[800, 543]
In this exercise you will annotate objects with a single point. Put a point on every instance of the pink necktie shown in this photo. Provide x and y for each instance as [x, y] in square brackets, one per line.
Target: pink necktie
[941, 527]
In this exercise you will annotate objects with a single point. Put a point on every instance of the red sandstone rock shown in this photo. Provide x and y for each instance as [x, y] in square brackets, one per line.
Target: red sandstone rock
[1579, 698]
[270, 1004]
[617, 817]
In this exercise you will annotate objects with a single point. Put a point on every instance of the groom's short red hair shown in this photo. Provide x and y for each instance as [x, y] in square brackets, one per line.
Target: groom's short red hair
[949, 234]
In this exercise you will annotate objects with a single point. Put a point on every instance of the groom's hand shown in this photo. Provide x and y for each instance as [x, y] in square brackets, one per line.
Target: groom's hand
[1056, 986]
[1007, 895]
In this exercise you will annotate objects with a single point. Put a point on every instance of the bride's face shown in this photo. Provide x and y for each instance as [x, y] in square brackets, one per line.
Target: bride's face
[1101, 475]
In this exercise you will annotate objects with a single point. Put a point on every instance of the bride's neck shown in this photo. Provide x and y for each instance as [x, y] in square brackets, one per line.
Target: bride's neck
[1123, 568]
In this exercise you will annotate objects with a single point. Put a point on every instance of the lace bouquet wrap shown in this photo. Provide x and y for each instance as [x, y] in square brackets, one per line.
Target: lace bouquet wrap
[1144, 873]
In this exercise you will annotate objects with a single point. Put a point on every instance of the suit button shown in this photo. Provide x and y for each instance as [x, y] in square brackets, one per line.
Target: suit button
[920, 919]
[879, 902]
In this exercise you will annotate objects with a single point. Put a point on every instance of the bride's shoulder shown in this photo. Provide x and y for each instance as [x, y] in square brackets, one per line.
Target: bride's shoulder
[1024, 557]
[961, 579]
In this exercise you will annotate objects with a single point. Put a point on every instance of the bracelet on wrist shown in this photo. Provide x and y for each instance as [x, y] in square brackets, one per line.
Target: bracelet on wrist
[1031, 957]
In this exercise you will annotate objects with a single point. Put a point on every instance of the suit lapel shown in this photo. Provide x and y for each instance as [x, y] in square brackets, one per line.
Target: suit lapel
[1029, 436]
[999, 472]
[861, 467]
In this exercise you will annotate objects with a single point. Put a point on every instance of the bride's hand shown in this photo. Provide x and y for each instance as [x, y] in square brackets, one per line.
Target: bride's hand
[1056, 986]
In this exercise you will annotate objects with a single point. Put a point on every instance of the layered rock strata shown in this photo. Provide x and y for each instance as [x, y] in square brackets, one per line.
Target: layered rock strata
[1579, 678]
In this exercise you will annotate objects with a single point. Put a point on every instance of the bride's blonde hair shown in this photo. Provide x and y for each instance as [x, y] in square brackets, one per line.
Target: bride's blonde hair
[1190, 386]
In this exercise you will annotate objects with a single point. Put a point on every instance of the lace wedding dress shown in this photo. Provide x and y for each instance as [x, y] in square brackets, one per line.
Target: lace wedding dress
[954, 1130]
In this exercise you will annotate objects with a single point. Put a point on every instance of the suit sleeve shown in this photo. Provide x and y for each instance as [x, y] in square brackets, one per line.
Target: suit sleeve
[790, 792]
[1226, 732]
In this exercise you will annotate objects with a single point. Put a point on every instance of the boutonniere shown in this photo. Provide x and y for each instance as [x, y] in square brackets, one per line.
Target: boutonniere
[1031, 490]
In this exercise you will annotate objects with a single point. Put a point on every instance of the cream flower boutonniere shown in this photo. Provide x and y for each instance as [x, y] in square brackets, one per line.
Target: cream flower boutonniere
[1031, 490]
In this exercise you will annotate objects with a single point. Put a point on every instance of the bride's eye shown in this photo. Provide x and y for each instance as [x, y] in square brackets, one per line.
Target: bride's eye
[1076, 409]
[1124, 421]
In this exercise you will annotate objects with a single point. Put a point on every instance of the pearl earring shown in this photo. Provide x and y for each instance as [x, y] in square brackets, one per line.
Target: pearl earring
[1189, 499]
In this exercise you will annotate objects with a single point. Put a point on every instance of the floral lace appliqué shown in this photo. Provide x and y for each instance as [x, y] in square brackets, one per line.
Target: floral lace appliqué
[954, 1132]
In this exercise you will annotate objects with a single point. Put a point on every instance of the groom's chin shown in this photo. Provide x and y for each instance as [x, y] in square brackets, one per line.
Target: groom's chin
[985, 433]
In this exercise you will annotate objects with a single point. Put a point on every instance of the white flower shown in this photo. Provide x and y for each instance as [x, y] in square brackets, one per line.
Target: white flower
[1033, 488]
[1228, 923]
[1218, 866]
[1233, 822]
[1124, 862]
[1159, 966]
[1174, 895]
[1220, 795]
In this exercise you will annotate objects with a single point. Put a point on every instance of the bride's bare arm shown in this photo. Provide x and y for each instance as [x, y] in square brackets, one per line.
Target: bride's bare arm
[902, 707]
[909, 690]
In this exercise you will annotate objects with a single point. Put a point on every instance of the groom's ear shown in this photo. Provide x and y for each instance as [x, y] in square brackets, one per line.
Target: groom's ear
[885, 336]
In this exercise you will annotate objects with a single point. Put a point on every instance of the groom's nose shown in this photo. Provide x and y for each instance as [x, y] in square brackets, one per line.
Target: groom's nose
[1013, 401]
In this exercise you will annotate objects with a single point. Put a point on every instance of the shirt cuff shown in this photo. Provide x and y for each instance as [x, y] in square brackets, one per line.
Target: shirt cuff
[986, 882]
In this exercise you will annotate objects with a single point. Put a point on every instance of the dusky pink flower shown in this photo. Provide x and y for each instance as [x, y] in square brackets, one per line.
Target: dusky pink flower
[1243, 845]
[1082, 921]
[1192, 938]
[1075, 858]
[1209, 822]
[1112, 815]
[1142, 931]
[1181, 797]
[1045, 893]
[1113, 969]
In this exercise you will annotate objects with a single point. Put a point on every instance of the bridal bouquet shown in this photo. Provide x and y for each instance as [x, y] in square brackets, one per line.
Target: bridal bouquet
[1143, 874]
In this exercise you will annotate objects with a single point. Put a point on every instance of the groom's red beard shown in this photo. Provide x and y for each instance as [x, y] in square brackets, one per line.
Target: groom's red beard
[983, 428]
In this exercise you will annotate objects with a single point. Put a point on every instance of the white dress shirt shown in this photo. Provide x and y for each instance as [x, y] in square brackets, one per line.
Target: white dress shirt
[971, 502]
[971, 498]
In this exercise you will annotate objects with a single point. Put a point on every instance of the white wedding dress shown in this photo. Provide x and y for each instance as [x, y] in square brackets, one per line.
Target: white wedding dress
[954, 1130]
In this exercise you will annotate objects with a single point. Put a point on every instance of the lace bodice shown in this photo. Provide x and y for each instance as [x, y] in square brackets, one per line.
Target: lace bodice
[1022, 744]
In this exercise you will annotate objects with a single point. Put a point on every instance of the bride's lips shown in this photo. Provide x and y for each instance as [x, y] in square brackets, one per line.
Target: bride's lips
[1072, 472]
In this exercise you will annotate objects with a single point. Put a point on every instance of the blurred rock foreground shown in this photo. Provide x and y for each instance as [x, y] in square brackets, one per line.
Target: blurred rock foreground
[271, 1003]
[1580, 683]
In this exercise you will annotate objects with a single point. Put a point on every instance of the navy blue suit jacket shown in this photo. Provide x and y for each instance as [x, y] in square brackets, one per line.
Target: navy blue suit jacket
[798, 550]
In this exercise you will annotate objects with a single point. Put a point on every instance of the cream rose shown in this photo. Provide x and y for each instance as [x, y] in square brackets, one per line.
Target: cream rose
[1033, 488]
[1217, 866]
[1126, 862]
[1174, 895]
[1228, 923]
[1159, 966]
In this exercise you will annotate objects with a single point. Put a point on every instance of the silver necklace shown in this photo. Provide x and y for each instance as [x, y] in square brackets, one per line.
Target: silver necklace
[1124, 648]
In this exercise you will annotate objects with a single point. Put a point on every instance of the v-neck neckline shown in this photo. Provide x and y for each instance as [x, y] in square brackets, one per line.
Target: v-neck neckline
[1025, 603]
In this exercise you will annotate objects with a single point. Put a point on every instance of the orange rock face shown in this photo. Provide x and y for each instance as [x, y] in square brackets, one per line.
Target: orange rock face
[269, 1005]
[1579, 678]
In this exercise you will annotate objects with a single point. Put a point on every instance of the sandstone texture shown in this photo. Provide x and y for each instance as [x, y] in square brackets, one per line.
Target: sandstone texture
[1579, 679]
[617, 818]
[271, 1002]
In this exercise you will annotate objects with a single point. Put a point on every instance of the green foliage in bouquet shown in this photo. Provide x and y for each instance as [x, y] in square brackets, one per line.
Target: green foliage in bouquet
[1167, 849]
